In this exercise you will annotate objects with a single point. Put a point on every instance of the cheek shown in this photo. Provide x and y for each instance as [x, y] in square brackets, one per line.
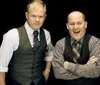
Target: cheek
[70, 30]
[41, 21]
[71, 33]
[83, 31]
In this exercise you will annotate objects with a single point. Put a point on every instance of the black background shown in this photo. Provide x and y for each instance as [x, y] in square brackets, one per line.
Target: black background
[13, 15]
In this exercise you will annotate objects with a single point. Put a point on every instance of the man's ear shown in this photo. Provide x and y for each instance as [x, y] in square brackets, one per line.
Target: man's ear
[26, 15]
[86, 23]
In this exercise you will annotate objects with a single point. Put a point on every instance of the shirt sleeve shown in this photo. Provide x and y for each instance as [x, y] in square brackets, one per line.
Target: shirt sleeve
[86, 70]
[6, 49]
[58, 60]
[49, 48]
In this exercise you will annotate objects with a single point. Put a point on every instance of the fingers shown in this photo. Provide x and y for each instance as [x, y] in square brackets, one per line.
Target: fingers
[92, 60]
[93, 57]
[65, 65]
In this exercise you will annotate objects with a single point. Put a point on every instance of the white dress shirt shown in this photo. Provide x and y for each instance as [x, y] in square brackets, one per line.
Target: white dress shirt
[10, 44]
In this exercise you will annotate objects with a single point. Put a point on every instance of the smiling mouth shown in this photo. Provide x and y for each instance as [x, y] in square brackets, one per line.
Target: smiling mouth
[77, 32]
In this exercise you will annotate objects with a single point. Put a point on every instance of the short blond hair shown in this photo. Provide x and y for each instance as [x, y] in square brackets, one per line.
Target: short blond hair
[36, 3]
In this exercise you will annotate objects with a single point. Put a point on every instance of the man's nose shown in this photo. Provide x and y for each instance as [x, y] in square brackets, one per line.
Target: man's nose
[75, 26]
[37, 18]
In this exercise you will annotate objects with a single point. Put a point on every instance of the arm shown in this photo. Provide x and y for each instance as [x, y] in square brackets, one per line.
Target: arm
[48, 59]
[88, 70]
[6, 51]
[2, 78]
[48, 55]
[59, 71]
[47, 70]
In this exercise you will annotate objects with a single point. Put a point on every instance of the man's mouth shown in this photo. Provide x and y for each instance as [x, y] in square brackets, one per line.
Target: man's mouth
[36, 23]
[76, 32]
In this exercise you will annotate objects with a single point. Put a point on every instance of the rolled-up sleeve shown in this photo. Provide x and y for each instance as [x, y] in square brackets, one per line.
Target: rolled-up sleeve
[49, 48]
[7, 47]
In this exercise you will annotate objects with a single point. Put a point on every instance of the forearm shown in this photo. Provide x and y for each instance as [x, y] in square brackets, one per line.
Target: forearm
[47, 70]
[61, 73]
[86, 71]
[2, 78]
[89, 70]
[48, 66]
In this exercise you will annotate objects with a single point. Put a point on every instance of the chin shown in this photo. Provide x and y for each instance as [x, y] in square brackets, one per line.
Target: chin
[36, 28]
[76, 38]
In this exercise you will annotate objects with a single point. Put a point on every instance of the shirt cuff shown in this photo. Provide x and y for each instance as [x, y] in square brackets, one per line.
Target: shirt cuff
[3, 69]
[48, 58]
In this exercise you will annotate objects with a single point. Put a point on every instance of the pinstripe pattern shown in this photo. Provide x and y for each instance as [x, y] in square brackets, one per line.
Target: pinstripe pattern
[76, 70]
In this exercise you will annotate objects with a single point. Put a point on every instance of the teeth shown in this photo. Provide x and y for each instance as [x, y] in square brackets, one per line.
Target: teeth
[77, 32]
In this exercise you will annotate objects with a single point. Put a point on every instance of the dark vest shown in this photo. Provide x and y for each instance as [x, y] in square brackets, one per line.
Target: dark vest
[68, 56]
[26, 65]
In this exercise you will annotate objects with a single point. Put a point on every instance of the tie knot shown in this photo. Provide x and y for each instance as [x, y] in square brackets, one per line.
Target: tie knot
[35, 33]
[77, 43]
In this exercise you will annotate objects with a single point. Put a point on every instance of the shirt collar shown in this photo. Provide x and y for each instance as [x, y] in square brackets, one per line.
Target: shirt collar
[72, 40]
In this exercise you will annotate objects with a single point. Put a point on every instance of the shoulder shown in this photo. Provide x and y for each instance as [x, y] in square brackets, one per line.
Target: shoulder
[60, 44]
[46, 32]
[11, 33]
[94, 40]
[61, 41]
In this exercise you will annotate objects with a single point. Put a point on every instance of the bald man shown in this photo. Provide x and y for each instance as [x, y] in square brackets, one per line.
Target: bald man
[85, 69]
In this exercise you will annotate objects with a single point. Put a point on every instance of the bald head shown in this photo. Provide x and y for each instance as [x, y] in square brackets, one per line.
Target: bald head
[75, 14]
[76, 25]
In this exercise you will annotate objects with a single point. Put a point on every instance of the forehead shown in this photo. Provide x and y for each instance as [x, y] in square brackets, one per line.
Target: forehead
[74, 16]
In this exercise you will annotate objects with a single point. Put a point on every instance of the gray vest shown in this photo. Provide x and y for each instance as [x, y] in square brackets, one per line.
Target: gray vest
[26, 65]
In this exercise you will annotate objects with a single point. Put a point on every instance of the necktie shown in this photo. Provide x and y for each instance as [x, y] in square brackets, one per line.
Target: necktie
[36, 41]
[76, 50]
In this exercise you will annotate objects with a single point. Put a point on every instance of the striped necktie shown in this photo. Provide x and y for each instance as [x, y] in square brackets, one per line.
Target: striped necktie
[76, 50]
